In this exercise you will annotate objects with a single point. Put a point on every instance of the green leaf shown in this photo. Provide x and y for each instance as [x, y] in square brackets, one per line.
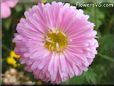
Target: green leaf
[90, 76]
[76, 80]
[6, 23]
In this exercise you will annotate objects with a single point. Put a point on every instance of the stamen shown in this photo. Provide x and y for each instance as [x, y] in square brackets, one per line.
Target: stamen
[57, 46]
[55, 41]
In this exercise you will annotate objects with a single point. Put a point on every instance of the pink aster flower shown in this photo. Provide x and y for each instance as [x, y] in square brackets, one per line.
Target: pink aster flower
[6, 6]
[56, 41]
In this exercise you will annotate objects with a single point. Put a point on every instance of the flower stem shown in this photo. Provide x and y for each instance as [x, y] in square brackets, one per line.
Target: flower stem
[106, 57]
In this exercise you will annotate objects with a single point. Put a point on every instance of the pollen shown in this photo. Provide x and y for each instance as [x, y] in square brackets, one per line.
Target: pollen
[56, 41]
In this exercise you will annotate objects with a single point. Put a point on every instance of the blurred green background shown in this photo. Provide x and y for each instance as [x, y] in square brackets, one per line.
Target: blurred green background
[101, 71]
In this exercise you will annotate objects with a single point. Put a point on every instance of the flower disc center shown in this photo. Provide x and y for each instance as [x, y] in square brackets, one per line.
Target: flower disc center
[56, 41]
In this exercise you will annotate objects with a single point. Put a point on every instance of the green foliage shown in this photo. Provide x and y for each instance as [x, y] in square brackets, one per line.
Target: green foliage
[87, 77]
[107, 45]
[94, 12]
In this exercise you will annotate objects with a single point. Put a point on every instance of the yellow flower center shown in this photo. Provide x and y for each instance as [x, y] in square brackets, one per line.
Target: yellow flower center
[56, 41]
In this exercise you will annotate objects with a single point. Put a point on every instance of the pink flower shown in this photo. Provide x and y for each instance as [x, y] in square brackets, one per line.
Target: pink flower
[6, 6]
[56, 41]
